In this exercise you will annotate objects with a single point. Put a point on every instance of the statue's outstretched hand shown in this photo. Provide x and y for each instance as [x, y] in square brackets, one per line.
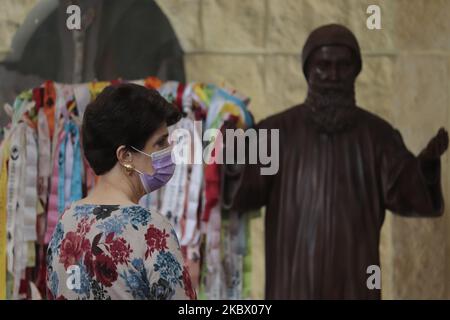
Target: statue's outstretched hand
[437, 145]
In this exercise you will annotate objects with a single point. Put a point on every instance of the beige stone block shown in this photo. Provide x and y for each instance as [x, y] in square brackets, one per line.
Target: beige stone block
[419, 245]
[419, 258]
[291, 23]
[374, 86]
[446, 219]
[284, 81]
[234, 25]
[242, 72]
[386, 256]
[446, 184]
[421, 97]
[184, 15]
[12, 14]
[375, 40]
[422, 25]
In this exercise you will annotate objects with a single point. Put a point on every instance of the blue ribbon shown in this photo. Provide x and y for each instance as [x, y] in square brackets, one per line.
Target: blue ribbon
[71, 130]
[76, 189]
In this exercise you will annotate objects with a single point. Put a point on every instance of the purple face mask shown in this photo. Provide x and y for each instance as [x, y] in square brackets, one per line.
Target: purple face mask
[164, 168]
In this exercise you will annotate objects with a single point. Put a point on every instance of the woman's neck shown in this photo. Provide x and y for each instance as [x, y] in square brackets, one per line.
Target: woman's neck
[112, 190]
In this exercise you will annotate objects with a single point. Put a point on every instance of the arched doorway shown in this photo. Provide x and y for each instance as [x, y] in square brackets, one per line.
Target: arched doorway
[129, 39]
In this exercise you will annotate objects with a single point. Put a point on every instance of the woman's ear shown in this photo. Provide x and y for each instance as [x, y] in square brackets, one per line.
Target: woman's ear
[124, 155]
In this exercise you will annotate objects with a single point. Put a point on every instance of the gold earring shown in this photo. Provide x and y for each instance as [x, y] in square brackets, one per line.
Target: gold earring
[129, 168]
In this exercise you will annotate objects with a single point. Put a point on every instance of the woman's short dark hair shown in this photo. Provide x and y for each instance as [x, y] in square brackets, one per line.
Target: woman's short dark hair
[125, 114]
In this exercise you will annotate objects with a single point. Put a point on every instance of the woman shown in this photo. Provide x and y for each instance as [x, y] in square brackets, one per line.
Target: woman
[106, 246]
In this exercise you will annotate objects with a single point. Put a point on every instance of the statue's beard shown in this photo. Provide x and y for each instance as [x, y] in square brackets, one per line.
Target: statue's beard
[331, 105]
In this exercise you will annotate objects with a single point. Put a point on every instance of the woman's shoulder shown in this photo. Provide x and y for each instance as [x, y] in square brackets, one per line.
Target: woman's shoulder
[160, 227]
[137, 213]
[159, 219]
[118, 219]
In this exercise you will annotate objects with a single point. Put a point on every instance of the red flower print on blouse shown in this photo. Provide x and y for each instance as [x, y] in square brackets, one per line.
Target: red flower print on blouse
[89, 263]
[188, 290]
[119, 249]
[72, 248]
[51, 297]
[105, 270]
[49, 294]
[84, 226]
[156, 240]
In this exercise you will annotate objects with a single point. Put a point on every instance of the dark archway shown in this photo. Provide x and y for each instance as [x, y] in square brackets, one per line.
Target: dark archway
[128, 39]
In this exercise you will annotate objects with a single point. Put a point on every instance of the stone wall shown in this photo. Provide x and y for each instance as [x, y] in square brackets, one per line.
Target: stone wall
[12, 14]
[254, 46]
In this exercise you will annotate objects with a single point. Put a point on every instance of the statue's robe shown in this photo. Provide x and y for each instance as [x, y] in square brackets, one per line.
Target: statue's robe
[326, 205]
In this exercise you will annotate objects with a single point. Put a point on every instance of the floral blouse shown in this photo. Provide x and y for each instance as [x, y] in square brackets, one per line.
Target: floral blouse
[115, 252]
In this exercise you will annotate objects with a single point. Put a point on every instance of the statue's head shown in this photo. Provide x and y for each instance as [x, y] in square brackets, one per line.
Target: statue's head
[331, 55]
[331, 61]
[332, 67]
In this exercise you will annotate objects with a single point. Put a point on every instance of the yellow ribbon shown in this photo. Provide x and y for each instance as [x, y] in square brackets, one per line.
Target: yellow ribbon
[3, 191]
[96, 87]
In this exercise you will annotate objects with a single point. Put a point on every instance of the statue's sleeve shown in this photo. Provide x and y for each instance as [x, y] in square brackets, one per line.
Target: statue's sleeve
[411, 185]
[245, 188]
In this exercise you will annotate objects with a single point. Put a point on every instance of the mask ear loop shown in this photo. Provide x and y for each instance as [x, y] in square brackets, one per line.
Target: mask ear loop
[148, 155]
[156, 153]
[140, 172]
